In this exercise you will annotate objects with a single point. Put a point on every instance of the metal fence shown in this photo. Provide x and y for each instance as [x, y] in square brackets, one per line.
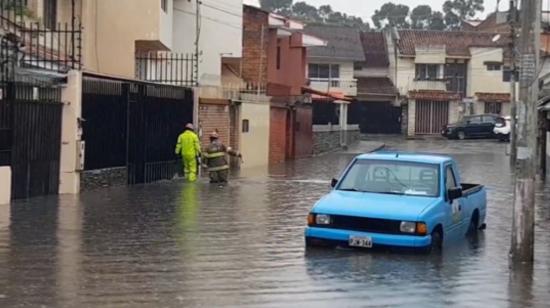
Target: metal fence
[135, 125]
[167, 68]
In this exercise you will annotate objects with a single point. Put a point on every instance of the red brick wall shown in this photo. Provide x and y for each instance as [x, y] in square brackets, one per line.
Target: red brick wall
[303, 131]
[214, 114]
[277, 135]
[254, 55]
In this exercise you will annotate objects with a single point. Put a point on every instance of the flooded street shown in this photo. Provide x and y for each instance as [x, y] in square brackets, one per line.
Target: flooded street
[187, 245]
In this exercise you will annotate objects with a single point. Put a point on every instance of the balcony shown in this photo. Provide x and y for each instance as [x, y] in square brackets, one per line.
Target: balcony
[347, 87]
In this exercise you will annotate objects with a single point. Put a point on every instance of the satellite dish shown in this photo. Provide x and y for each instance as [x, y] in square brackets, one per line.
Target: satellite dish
[496, 38]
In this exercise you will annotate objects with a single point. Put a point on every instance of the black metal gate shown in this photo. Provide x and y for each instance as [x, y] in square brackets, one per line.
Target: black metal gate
[376, 117]
[30, 138]
[134, 125]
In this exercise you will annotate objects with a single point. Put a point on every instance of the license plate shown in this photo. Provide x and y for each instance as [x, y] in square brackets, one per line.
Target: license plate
[360, 241]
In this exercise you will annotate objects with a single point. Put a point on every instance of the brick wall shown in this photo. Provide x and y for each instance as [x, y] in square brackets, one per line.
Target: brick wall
[254, 54]
[214, 114]
[277, 135]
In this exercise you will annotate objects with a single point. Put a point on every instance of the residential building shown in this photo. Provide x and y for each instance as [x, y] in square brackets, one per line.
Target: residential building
[331, 75]
[444, 75]
[377, 109]
[275, 54]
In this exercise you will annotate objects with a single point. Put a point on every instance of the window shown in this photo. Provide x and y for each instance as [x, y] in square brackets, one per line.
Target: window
[50, 13]
[488, 119]
[164, 5]
[246, 126]
[278, 54]
[428, 71]
[493, 107]
[324, 71]
[450, 181]
[493, 66]
[357, 66]
[392, 177]
[474, 120]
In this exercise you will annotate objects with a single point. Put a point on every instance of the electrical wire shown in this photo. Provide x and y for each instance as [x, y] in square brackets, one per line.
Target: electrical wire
[238, 27]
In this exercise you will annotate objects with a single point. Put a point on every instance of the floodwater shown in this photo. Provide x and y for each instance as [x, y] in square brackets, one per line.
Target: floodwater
[188, 245]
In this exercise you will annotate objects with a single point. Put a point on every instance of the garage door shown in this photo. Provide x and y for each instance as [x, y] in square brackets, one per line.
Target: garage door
[376, 117]
[431, 116]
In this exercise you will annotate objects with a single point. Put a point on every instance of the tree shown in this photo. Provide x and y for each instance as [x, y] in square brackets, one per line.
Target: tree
[277, 6]
[324, 12]
[458, 10]
[437, 21]
[391, 15]
[421, 17]
[305, 11]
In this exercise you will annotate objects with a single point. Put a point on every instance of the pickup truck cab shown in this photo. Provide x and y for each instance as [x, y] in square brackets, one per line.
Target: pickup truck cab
[388, 199]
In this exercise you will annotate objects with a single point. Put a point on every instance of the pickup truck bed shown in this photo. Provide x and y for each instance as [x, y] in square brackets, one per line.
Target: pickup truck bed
[468, 189]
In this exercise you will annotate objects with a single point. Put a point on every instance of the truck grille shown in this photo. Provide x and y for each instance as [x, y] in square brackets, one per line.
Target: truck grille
[363, 224]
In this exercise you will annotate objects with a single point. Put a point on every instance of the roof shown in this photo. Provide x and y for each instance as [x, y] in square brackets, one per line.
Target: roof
[493, 97]
[407, 157]
[375, 86]
[320, 95]
[434, 95]
[457, 43]
[343, 43]
[375, 49]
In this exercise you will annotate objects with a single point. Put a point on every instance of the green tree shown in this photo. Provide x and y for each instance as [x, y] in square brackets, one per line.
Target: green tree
[421, 17]
[324, 12]
[277, 6]
[305, 12]
[458, 10]
[437, 21]
[391, 15]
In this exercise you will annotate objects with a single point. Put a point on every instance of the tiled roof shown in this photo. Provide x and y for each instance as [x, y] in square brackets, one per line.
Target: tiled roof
[371, 86]
[375, 49]
[457, 43]
[493, 97]
[343, 43]
[434, 95]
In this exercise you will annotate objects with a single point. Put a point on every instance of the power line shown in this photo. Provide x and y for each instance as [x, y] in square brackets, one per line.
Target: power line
[222, 10]
[238, 27]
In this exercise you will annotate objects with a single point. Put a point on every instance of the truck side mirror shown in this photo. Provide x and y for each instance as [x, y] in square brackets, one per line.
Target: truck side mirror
[455, 193]
[333, 183]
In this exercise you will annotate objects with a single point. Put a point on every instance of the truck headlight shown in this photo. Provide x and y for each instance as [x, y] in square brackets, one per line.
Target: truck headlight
[407, 227]
[321, 219]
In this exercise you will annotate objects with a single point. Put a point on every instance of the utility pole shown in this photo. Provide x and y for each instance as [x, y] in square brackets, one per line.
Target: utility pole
[522, 248]
[197, 39]
[512, 20]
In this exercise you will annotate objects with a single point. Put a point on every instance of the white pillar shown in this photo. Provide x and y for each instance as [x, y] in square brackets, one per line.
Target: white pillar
[5, 185]
[343, 119]
[71, 135]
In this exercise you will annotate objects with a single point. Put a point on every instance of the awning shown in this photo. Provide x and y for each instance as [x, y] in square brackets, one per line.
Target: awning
[329, 96]
[434, 95]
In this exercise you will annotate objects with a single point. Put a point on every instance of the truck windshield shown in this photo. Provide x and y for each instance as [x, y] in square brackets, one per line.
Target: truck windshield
[392, 177]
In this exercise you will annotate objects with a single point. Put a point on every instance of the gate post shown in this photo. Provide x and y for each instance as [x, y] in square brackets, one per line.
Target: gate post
[71, 133]
[5, 187]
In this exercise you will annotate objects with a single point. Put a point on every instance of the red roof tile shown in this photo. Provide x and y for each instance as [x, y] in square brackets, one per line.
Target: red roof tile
[370, 86]
[457, 43]
[434, 95]
[375, 49]
[493, 97]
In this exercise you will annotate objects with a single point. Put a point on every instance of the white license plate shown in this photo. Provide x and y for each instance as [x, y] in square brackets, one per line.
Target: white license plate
[360, 241]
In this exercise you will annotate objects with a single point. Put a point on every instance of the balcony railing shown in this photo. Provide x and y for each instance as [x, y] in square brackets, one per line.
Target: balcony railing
[346, 86]
[33, 45]
[167, 67]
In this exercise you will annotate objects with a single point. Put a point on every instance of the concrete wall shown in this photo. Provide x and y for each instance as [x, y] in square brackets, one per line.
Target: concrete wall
[411, 118]
[372, 72]
[71, 135]
[479, 78]
[326, 138]
[254, 144]
[291, 73]
[102, 178]
[220, 34]
[111, 29]
[5, 185]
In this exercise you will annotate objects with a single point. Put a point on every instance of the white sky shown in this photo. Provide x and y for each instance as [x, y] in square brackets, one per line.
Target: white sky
[366, 8]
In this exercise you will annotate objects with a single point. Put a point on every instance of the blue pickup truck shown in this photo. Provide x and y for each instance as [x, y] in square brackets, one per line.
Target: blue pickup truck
[389, 200]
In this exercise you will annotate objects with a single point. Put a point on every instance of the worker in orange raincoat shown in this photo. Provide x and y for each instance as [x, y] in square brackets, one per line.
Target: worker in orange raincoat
[188, 147]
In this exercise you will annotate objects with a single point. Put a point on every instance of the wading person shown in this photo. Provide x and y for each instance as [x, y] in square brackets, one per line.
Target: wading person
[188, 147]
[214, 157]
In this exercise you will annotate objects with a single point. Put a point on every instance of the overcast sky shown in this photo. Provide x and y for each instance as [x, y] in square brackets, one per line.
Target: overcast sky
[366, 8]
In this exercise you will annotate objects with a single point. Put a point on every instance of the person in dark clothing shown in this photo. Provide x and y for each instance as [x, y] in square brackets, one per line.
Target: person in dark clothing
[215, 159]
